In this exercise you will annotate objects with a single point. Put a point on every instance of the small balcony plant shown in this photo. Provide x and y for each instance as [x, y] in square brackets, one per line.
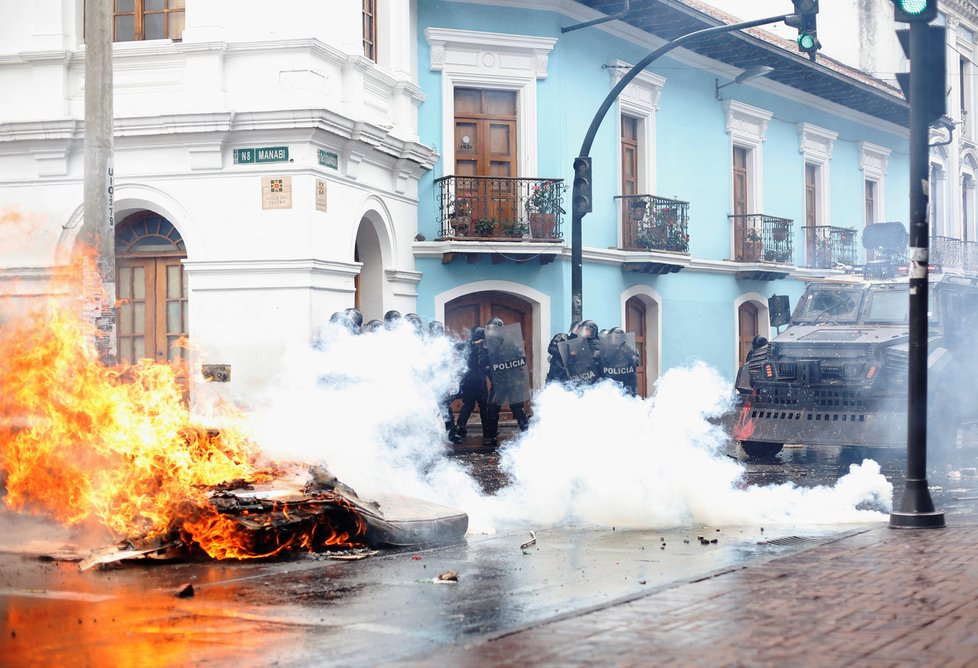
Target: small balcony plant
[485, 227]
[542, 207]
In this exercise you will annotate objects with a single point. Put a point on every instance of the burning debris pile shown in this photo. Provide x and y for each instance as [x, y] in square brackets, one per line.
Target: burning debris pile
[82, 442]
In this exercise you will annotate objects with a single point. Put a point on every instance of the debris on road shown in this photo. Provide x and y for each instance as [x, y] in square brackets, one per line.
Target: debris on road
[248, 519]
[529, 543]
[187, 591]
[448, 576]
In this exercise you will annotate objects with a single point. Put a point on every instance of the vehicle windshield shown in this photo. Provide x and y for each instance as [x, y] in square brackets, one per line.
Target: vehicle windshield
[826, 304]
[887, 306]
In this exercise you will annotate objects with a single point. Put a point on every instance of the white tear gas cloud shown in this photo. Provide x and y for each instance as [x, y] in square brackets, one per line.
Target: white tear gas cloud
[368, 408]
[597, 456]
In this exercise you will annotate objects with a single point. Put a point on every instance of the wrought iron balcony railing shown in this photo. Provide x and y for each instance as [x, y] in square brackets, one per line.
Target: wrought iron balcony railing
[954, 253]
[762, 238]
[489, 207]
[654, 223]
[827, 246]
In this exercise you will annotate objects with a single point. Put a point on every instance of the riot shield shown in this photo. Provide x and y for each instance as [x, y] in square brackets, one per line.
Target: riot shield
[507, 364]
[578, 360]
[619, 359]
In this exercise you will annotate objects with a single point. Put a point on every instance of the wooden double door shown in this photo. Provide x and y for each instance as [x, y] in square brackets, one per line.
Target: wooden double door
[485, 152]
[475, 310]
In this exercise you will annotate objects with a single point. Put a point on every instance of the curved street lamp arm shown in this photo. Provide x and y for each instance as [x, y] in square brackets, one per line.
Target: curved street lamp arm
[645, 62]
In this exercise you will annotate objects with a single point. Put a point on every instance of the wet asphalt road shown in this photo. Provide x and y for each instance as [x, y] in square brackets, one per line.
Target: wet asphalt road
[312, 611]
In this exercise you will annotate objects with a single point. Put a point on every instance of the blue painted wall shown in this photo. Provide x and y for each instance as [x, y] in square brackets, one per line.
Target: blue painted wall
[693, 156]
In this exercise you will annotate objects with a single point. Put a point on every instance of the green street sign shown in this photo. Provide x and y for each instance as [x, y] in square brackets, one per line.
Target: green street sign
[247, 156]
[244, 156]
[328, 159]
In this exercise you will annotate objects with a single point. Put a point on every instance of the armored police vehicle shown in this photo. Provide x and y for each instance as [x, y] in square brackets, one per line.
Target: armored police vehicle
[838, 374]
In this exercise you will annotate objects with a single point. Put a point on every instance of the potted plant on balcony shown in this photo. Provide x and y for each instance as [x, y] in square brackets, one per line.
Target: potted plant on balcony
[823, 254]
[461, 216]
[676, 239]
[542, 206]
[645, 238]
[485, 227]
[752, 245]
[516, 229]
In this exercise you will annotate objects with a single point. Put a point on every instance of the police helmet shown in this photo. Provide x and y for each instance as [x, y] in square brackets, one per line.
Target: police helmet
[495, 322]
[477, 334]
[372, 326]
[588, 329]
[435, 328]
[355, 316]
[576, 325]
[415, 321]
[392, 316]
[552, 349]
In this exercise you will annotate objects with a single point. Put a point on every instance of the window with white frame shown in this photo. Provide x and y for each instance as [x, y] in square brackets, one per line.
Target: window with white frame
[638, 103]
[498, 61]
[969, 170]
[937, 203]
[816, 146]
[873, 161]
[747, 127]
[966, 82]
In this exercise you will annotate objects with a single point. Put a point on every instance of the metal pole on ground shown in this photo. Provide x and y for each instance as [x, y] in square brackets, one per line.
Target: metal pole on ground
[916, 507]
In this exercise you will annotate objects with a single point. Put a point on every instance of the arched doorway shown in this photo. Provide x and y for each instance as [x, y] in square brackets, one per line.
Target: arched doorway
[636, 321]
[151, 290]
[475, 309]
[369, 283]
[748, 319]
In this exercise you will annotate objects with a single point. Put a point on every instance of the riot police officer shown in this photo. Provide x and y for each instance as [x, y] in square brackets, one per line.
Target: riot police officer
[371, 326]
[473, 390]
[415, 320]
[556, 373]
[435, 330]
[518, 409]
[356, 319]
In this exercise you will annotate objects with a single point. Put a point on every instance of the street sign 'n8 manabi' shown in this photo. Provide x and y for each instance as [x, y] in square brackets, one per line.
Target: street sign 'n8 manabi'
[246, 156]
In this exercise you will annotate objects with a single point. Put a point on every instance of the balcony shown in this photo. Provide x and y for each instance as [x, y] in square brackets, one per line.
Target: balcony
[484, 208]
[655, 225]
[759, 238]
[828, 247]
[952, 253]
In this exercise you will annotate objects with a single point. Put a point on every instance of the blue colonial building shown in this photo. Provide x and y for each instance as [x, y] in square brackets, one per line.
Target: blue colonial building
[710, 193]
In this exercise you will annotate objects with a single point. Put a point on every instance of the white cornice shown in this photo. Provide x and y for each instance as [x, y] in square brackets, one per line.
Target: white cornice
[746, 123]
[814, 142]
[220, 124]
[488, 40]
[614, 257]
[447, 42]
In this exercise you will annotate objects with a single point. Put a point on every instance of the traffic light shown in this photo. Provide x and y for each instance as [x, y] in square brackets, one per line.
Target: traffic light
[804, 20]
[582, 185]
[912, 11]
[933, 68]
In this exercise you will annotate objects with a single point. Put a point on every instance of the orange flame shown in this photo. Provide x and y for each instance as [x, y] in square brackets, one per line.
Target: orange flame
[744, 426]
[81, 441]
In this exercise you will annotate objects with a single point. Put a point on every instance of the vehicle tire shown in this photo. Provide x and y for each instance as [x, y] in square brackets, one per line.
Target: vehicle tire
[760, 449]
